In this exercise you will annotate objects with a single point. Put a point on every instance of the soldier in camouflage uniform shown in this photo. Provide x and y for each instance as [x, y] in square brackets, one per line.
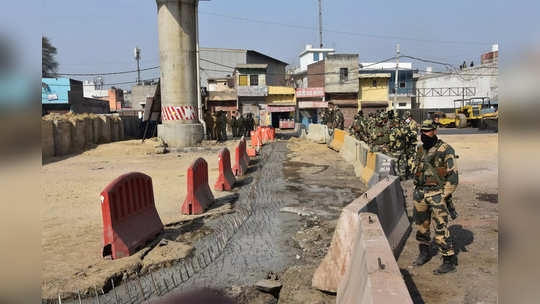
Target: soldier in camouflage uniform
[324, 116]
[397, 137]
[436, 178]
[208, 120]
[379, 135]
[221, 126]
[411, 141]
[234, 125]
[241, 125]
[339, 120]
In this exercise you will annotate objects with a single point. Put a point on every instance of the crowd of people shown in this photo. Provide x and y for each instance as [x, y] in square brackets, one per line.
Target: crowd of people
[217, 123]
[391, 134]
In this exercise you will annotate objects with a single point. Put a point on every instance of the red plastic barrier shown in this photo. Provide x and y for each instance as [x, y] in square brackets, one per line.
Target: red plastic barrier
[259, 134]
[272, 134]
[226, 180]
[199, 196]
[255, 139]
[244, 150]
[264, 135]
[130, 218]
[240, 166]
[251, 152]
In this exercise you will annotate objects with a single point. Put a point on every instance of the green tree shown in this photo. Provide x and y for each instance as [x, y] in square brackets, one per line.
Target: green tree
[48, 62]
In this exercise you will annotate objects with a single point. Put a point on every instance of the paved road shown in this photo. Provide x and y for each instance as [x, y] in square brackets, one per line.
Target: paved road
[452, 131]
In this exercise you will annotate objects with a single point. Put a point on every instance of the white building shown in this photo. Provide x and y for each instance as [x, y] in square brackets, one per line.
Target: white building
[308, 56]
[91, 90]
[478, 81]
[311, 55]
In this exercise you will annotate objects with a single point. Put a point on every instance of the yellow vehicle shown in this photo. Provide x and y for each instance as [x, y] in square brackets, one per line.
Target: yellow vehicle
[469, 114]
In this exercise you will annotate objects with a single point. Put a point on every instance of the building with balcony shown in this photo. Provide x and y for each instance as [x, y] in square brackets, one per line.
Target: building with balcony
[406, 91]
[221, 95]
[251, 88]
[308, 56]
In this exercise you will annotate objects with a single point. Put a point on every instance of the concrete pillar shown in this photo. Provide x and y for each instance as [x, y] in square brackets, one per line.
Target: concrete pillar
[177, 29]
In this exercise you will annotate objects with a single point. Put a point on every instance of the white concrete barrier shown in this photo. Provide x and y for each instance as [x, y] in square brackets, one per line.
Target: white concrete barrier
[373, 275]
[385, 199]
[349, 149]
[318, 133]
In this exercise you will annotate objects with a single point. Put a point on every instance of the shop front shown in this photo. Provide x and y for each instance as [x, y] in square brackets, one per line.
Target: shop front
[282, 116]
[310, 104]
[347, 103]
[281, 106]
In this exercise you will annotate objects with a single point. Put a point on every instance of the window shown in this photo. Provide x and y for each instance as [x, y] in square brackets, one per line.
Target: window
[343, 74]
[253, 80]
[315, 57]
[374, 83]
[243, 80]
[402, 104]
[402, 84]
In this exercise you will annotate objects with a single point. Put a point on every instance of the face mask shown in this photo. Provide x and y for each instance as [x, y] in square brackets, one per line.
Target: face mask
[428, 141]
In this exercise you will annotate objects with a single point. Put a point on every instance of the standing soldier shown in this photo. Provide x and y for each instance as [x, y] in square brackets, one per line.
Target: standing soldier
[214, 126]
[209, 125]
[234, 125]
[330, 118]
[411, 140]
[324, 116]
[241, 125]
[379, 137]
[436, 178]
[339, 120]
[250, 124]
[397, 139]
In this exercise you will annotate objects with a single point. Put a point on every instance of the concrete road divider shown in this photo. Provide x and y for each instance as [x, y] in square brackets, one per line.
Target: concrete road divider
[318, 134]
[240, 165]
[272, 133]
[337, 140]
[226, 180]
[384, 165]
[349, 150]
[368, 172]
[385, 199]
[373, 275]
[363, 150]
[199, 196]
[130, 218]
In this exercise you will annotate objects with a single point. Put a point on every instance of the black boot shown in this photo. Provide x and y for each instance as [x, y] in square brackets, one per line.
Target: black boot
[424, 256]
[448, 265]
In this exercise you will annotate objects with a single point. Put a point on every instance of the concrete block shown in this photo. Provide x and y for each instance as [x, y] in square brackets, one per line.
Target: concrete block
[88, 131]
[349, 149]
[78, 135]
[47, 138]
[385, 199]
[337, 140]
[318, 133]
[384, 165]
[62, 137]
[373, 275]
[104, 129]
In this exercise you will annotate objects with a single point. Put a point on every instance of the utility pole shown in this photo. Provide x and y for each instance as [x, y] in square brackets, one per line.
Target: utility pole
[320, 22]
[394, 104]
[137, 55]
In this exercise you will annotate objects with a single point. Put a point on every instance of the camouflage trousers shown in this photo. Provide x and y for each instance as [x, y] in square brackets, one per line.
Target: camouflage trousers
[410, 155]
[401, 166]
[428, 207]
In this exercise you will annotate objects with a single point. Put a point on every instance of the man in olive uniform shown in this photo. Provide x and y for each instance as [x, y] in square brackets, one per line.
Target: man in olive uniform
[331, 118]
[234, 125]
[397, 139]
[250, 124]
[209, 125]
[411, 127]
[436, 178]
[339, 120]
[379, 135]
[324, 116]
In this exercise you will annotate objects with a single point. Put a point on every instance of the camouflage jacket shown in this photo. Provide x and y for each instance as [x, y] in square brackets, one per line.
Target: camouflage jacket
[397, 138]
[436, 169]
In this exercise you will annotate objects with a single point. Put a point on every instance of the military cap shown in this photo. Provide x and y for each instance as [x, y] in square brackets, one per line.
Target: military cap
[428, 125]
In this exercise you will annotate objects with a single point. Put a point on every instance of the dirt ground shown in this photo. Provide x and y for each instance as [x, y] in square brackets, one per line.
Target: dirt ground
[475, 231]
[71, 215]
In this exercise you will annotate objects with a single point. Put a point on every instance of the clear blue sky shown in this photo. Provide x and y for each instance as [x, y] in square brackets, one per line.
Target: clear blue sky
[99, 35]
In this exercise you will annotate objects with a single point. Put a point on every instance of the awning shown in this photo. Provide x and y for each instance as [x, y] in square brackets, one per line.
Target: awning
[312, 104]
[280, 109]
